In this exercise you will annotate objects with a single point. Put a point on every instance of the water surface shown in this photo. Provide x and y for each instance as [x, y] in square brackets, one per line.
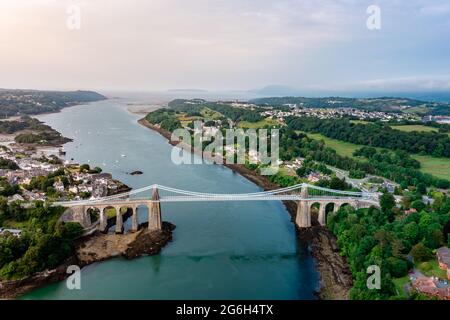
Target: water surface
[220, 250]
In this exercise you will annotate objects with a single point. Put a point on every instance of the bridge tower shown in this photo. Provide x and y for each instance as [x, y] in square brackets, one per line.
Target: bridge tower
[154, 212]
[303, 217]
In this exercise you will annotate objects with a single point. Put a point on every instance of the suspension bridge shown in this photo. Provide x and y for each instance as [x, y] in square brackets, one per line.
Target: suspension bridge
[305, 195]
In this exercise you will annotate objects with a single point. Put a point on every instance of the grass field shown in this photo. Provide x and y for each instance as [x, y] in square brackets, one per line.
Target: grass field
[439, 167]
[209, 114]
[400, 284]
[431, 269]
[359, 121]
[257, 125]
[415, 127]
[341, 147]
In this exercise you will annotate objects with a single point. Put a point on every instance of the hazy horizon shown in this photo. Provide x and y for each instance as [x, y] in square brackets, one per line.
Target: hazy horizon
[303, 46]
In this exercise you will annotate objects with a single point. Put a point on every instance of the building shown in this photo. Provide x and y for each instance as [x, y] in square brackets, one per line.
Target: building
[14, 232]
[443, 256]
[59, 186]
[431, 287]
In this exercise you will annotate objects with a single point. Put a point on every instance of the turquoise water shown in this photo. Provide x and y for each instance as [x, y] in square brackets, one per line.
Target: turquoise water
[230, 250]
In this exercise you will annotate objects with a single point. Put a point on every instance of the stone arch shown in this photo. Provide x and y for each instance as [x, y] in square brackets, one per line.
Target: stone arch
[314, 210]
[344, 204]
[315, 205]
[109, 211]
[142, 210]
[327, 208]
[129, 211]
[94, 213]
[330, 207]
[109, 218]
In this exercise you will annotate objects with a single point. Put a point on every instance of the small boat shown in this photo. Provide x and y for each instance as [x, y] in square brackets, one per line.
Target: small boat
[123, 155]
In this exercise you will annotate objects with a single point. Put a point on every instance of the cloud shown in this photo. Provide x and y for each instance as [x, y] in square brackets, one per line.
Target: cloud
[213, 44]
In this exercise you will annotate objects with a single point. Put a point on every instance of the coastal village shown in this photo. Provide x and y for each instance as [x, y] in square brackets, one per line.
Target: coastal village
[326, 113]
[31, 173]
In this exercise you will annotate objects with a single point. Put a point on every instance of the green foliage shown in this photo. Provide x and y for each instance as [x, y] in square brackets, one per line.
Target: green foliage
[418, 205]
[44, 242]
[372, 237]
[8, 164]
[13, 102]
[197, 105]
[387, 202]
[166, 118]
[357, 174]
[283, 180]
[7, 189]
[85, 167]
[28, 138]
[376, 135]
[421, 253]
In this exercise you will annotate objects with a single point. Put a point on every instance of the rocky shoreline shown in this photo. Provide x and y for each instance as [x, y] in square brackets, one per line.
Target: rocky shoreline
[335, 275]
[94, 248]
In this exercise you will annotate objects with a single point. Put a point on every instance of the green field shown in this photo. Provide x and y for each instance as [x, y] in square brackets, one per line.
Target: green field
[400, 284]
[431, 269]
[439, 167]
[359, 121]
[209, 114]
[341, 147]
[415, 127]
[257, 125]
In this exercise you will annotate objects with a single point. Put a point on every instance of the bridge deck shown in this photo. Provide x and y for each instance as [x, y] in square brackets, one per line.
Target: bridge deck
[168, 199]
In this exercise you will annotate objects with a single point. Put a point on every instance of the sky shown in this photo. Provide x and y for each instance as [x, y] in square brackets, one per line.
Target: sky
[224, 44]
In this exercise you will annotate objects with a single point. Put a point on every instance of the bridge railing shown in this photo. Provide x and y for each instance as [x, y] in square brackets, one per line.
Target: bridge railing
[168, 194]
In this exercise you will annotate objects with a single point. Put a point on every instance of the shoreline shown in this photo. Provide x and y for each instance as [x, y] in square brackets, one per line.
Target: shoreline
[334, 272]
[94, 248]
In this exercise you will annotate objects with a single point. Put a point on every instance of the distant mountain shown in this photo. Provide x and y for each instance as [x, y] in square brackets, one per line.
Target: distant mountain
[27, 102]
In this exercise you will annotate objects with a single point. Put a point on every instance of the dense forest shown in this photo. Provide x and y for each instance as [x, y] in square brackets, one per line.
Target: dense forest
[375, 135]
[44, 243]
[37, 132]
[390, 239]
[165, 118]
[397, 166]
[17, 102]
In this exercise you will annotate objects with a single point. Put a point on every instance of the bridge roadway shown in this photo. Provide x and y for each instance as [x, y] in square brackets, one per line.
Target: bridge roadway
[80, 210]
[168, 199]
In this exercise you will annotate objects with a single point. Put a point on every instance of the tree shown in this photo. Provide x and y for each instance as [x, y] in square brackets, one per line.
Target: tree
[420, 253]
[411, 232]
[84, 167]
[418, 205]
[422, 188]
[97, 169]
[387, 202]
[397, 267]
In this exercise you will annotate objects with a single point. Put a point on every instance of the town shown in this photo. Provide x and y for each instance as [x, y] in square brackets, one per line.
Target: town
[29, 176]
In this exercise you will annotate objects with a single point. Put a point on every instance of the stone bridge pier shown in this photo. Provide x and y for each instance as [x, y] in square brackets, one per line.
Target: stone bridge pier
[81, 214]
[303, 216]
